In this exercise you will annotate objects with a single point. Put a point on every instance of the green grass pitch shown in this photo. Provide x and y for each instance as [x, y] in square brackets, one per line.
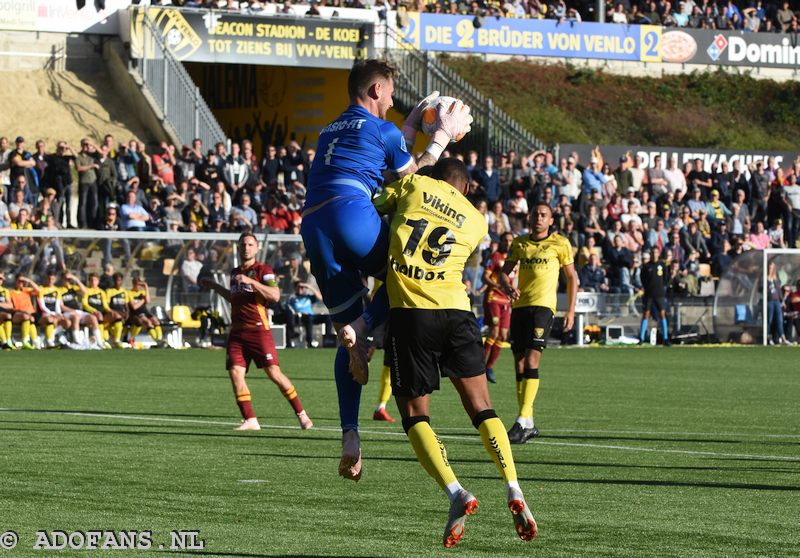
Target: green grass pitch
[644, 452]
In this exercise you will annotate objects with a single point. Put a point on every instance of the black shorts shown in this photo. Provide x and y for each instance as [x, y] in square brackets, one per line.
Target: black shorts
[142, 311]
[426, 344]
[657, 302]
[530, 328]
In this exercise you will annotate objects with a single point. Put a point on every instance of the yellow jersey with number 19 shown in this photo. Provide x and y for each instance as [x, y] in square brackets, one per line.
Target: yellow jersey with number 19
[540, 262]
[433, 232]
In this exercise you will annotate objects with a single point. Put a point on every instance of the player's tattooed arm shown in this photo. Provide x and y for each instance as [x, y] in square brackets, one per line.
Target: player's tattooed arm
[216, 287]
[505, 280]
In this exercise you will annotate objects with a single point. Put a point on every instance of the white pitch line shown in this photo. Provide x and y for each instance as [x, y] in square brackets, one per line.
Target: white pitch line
[668, 433]
[388, 433]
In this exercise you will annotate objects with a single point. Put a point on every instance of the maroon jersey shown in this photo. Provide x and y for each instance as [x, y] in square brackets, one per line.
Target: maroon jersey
[248, 307]
[495, 266]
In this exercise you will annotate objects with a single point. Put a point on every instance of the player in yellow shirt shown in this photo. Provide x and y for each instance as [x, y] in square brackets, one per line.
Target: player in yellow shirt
[432, 329]
[95, 303]
[50, 314]
[118, 305]
[6, 315]
[140, 315]
[541, 255]
[72, 290]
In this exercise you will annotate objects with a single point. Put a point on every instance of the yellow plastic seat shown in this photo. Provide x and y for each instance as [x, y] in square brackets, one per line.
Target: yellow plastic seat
[182, 315]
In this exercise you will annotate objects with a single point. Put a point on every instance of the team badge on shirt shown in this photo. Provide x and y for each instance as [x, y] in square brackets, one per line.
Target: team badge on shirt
[538, 332]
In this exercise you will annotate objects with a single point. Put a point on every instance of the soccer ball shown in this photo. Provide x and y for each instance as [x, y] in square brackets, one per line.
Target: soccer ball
[430, 115]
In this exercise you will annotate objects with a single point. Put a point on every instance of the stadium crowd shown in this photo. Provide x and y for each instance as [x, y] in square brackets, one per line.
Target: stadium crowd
[612, 212]
[753, 15]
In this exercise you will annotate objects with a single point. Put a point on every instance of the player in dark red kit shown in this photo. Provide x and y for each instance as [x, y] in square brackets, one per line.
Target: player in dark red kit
[253, 286]
[496, 306]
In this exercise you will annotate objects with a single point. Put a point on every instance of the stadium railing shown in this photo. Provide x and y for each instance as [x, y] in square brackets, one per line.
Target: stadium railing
[170, 87]
[494, 131]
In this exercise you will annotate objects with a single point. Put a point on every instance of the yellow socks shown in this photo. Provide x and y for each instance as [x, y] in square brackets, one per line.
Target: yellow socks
[495, 440]
[385, 389]
[430, 450]
[528, 386]
[116, 331]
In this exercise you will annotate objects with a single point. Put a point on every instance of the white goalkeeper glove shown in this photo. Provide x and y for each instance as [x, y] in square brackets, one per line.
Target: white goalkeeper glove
[412, 122]
[453, 122]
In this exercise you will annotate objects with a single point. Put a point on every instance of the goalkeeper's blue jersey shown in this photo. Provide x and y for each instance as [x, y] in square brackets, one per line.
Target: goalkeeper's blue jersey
[352, 153]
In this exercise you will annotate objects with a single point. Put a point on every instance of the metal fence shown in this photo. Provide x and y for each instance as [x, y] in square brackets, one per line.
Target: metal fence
[169, 86]
[493, 130]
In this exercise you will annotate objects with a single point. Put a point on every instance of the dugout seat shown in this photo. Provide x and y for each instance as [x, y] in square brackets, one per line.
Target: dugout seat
[182, 315]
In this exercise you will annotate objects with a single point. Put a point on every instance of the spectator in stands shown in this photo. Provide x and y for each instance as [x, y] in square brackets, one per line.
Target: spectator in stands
[632, 214]
[619, 260]
[774, 307]
[156, 213]
[86, 164]
[21, 164]
[195, 212]
[775, 234]
[487, 180]
[172, 215]
[243, 217]
[134, 217]
[236, 170]
[301, 312]
[5, 218]
[694, 241]
[791, 194]
[623, 176]
[282, 219]
[291, 272]
[164, 165]
[695, 203]
[58, 175]
[676, 180]
[217, 214]
[674, 249]
[498, 220]
[759, 191]
[592, 276]
[784, 17]
[112, 223]
[21, 184]
[5, 168]
[656, 178]
[737, 181]
[106, 179]
[619, 15]
[758, 239]
[700, 179]
[593, 179]
[186, 163]
[614, 208]
[518, 210]
[717, 211]
[190, 271]
[18, 203]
